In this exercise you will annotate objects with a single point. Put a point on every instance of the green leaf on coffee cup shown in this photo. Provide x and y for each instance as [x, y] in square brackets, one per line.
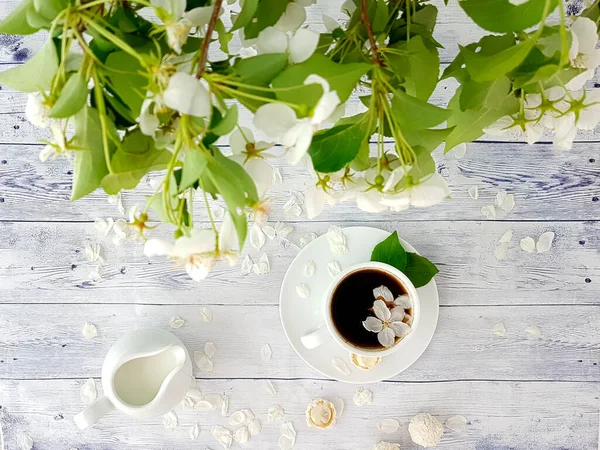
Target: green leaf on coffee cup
[417, 268]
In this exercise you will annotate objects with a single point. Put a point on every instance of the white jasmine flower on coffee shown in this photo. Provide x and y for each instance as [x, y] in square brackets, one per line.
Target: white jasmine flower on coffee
[300, 46]
[383, 293]
[280, 121]
[187, 95]
[583, 52]
[388, 324]
[36, 110]
[198, 251]
[292, 19]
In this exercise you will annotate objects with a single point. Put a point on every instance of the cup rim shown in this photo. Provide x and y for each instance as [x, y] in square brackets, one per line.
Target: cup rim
[400, 276]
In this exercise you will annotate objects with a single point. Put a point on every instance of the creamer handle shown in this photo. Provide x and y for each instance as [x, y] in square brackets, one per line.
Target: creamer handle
[93, 413]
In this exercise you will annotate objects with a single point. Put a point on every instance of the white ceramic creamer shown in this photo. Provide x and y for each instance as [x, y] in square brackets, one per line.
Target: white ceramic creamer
[145, 374]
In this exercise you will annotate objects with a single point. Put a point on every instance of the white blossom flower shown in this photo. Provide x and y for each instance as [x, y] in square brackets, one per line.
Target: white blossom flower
[249, 153]
[36, 111]
[387, 323]
[330, 23]
[428, 192]
[348, 7]
[583, 52]
[247, 52]
[292, 18]
[147, 121]
[300, 46]
[187, 95]
[198, 252]
[534, 128]
[280, 121]
[58, 147]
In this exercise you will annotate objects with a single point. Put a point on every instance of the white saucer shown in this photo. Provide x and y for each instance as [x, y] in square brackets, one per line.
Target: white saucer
[299, 316]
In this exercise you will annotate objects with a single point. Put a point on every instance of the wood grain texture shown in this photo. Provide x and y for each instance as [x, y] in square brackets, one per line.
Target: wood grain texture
[502, 416]
[45, 263]
[463, 347]
[548, 185]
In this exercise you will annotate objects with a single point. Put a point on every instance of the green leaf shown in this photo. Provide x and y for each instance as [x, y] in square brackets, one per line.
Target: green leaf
[72, 97]
[487, 68]
[36, 20]
[420, 67]
[245, 15]
[266, 15]
[419, 270]
[135, 157]
[261, 69]
[228, 123]
[476, 95]
[16, 21]
[193, 167]
[126, 81]
[335, 147]
[500, 16]
[390, 251]
[361, 161]
[342, 78]
[424, 164]
[381, 16]
[36, 74]
[50, 8]
[224, 36]
[90, 164]
[427, 139]
[416, 114]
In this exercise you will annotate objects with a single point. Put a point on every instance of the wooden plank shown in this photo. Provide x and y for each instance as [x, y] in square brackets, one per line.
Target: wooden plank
[532, 416]
[45, 263]
[548, 185]
[45, 341]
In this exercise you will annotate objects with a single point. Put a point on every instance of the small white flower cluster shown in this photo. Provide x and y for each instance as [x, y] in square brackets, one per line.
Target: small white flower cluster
[561, 110]
[38, 113]
[389, 324]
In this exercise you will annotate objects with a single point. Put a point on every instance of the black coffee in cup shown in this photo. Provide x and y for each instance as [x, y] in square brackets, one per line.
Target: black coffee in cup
[352, 302]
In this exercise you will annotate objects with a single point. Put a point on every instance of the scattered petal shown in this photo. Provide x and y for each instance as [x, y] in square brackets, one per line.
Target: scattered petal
[249, 414]
[386, 446]
[501, 251]
[222, 435]
[267, 385]
[188, 402]
[460, 151]
[207, 315]
[96, 274]
[341, 366]
[247, 265]
[528, 244]
[302, 290]
[334, 268]
[277, 176]
[263, 266]
[216, 400]
[224, 405]
[320, 414]
[88, 392]
[499, 330]
[307, 238]
[89, 331]
[337, 240]
[24, 441]
[507, 236]
[310, 268]
[203, 362]
[338, 404]
[275, 412]
[365, 362]
[362, 397]
[203, 405]
[474, 192]
[257, 237]
[388, 426]
[255, 427]
[287, 430]
[534, 331]
[266, 352]
[489, 211]
[194, 432]
[500, 197]
[210, 349]
[544, 242]
[237, 418]
[457, 424]
[103, 226]
[509, 203]
[176, 322]
[170, 420]
[425, 430]
[241, 435]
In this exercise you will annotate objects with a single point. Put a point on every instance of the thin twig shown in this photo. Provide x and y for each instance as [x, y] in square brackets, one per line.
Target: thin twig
[207, 38]
[364, 18]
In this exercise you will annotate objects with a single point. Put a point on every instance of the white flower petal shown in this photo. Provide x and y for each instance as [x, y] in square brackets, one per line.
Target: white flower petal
[241, 435]
[458, 424]
[460, 151]
[500, 197]
[489, 211]
[337, 240]
[36, 112]
[224, 405]
[199, 16]
[170, 420]
[239, 138]
[247, 52]
[88, 392]
[528, 244]
[277, 177]
[330, 23]
[534, 331]
[506, 237]
[203, 362]
[275, 119]
[315, 201]
[176, 322]
[338, 404]
[271, 40]
[362, 397]
[509, 203]
[383, 293]
[24, 441]
[275, 412]
[103, 226]
[263, 266]
[325, 107]
[381, 310]
[237, 418]
[373, 324]
[89, 331]
[334, 268]
[341, 366]
[307, 239]
[261, 173]
[207, 315]
[210, 349]
[587, 34]
[255, 427]
[302, 45]
[302, 290]
[266, 352]
[292, 19]
[297, 140]
[401, 329]
[501, 251]
[388, 426]
[222, 435]
[257, 237]
[398, 314]
[247, 265]
[194, 432]
[544, 242]
[187, 95]
[499, 329]
[310, 268]
[267, 385]
[404, 301]
[429, 192]
[386, 337]
[474, 192]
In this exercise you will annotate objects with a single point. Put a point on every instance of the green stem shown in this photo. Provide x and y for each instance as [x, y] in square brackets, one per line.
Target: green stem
[237, 92]
[102, 115]
[210, 215]
[564, 45]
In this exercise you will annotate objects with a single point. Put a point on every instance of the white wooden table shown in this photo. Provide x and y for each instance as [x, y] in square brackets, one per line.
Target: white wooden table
[517, 392]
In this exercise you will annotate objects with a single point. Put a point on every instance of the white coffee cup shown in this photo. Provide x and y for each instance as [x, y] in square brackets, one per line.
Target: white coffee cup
[327, 330]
